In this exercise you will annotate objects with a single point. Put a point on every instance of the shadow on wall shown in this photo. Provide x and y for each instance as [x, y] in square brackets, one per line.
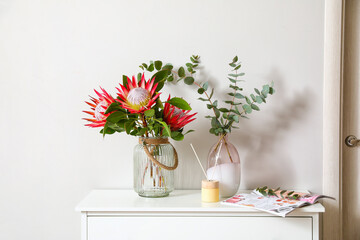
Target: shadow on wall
[258, 144]
[263, 163]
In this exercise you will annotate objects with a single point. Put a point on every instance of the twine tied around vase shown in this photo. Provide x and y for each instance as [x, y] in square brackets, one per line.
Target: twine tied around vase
[158, 141]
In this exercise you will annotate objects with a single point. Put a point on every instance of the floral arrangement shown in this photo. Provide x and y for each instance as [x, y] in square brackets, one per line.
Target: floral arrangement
[138, 111]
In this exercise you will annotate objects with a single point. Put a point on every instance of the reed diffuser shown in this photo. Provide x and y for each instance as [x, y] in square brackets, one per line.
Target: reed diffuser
[209, 188]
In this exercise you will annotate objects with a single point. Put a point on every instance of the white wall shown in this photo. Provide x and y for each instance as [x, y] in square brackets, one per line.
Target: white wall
[53, 53]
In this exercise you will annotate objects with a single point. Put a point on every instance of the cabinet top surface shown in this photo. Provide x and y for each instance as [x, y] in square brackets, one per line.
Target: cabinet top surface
[177, 201]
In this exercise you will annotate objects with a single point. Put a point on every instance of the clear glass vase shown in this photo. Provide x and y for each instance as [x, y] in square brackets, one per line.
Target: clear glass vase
[151, 178]
[224, 166]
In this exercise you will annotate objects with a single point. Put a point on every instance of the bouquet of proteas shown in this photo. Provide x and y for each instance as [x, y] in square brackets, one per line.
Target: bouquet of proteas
[138, 111]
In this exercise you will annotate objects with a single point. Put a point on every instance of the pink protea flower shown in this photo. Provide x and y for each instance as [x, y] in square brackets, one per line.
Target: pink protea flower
[176, 118]
[138, 98]
[99, 107]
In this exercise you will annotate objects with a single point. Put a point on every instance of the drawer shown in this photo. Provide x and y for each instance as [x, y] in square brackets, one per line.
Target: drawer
[209, 228]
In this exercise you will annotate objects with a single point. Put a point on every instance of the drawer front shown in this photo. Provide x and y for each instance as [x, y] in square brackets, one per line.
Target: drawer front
[209, 228]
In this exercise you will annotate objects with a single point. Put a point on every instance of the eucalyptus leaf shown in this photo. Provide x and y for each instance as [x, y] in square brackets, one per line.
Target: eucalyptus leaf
[255, 107]
[205, 86]
[201, 90]
[235, 59]
[158, 65]
[247, 108]
[151, 67]
[181, 72]
[237, 67]
[189, 80]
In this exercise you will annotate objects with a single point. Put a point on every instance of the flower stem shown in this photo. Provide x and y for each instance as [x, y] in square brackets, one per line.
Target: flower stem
[222, 137]
[144, 124]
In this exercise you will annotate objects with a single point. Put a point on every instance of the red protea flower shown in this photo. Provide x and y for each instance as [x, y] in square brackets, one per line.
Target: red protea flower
[176, 118]
[99, 107]
[138, 98]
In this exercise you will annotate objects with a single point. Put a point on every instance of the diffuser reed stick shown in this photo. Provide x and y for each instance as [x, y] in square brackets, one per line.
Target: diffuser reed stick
[199, 161]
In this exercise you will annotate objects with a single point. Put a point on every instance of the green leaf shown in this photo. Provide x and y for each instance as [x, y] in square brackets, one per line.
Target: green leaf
[141, 132]
[159, 86]
[168, 67]
[170, 78]
[115, 117]
[189, 80]
[239, 96]
[201, 90]
[264, 93]
[259, 99]
[125, 81]
[236, 74]
[257, 91]
[248, 100]
[232, 80]
[145, 65]
[160, 76]
[181, 72]
[212, 93]
[237, 67]
[236, 118]
[271, 91]
[253, 97]
[223, 110]
[217, 112]
[138, 77]
[266, 88]
[215, 123]
[113, 107]
[235, 87]
[149, 113]
[247, 108]
[232, 64]
[253, 106]
[129, 125]
[205, 86]
[179, 137]
[166, 127]
[203, 99]
[106, 130]
[263, 99]
[158, 65]
[189, 65]
[215, 103]
[189, 132]
[209, 106]
[235, 59]
[151, 67]
[179, 103]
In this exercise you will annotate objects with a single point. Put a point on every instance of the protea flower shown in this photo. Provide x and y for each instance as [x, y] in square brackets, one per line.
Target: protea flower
[99, 107]
[138, 98]
[176, 118]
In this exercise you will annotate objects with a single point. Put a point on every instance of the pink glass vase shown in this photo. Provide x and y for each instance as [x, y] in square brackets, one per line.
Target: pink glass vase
[224, 166]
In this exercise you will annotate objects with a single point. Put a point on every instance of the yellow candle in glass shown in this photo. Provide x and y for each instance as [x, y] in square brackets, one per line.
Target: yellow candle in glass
[210, 191]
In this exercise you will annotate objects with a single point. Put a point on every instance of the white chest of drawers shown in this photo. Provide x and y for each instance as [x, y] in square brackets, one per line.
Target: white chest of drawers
[122, 214]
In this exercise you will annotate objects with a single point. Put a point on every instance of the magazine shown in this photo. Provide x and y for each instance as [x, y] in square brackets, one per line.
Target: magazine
[276, 205]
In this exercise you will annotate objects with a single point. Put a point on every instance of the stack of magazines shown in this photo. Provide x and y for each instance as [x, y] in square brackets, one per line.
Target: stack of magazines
[277, 204]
